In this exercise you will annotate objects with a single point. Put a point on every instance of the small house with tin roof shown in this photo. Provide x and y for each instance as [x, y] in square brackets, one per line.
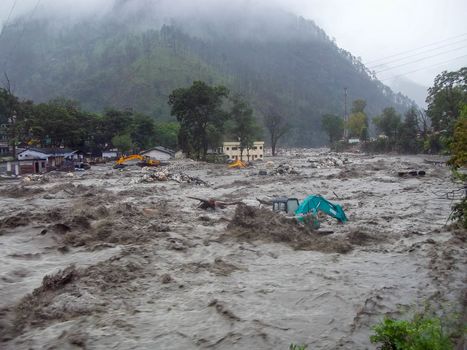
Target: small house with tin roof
[41, 160]
[159, 153]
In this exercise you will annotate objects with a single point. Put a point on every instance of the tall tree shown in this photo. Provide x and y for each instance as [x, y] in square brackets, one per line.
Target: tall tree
[116, 122]
[357, 124]
[10, 107]
[459, 143]
[446, 98]
[409, 142]
[389, 123]
[277, 127]
[243, 124]
[122, 142]
[166, 134]
[358, 106]
[143, 132]
[358, 120]
[333, 125]
[198, 109]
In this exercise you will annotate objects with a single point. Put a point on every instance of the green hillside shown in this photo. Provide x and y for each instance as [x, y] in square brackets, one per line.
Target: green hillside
[292, 68]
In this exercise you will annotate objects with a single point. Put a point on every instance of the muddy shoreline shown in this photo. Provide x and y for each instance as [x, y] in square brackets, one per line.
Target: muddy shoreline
[132, 262]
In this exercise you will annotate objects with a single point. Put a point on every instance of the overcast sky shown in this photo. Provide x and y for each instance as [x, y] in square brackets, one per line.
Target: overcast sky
[375, 29]
[370, 29]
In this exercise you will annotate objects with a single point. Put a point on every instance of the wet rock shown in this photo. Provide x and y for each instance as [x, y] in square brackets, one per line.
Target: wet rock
[21, 219]
[166, 278]
[175, 244]
[60, 228]
[284, 169]
[260, 224]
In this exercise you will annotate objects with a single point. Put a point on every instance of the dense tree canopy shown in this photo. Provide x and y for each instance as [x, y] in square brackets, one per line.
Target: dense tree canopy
[243, 125]
[409, 141]
[333, 125]
[446, 98]
[167, 134]
[388, 123]
[199, 111]
[357, 125]
[459, 142]
[358, 106]
[62, 123]
[202, 112]
[116, 61]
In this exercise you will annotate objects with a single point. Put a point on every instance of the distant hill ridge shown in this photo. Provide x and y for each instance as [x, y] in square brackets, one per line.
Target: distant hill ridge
[136, 54]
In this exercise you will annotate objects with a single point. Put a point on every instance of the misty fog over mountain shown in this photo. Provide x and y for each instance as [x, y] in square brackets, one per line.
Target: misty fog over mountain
[233, 174]
[132, 54]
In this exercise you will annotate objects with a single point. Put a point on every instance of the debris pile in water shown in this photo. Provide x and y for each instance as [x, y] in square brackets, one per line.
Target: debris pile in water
[164, 175]
[329, 162]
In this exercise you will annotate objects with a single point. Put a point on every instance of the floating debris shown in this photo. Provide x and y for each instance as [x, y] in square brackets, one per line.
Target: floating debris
[284, 169]
[328, 162]
[164, 175]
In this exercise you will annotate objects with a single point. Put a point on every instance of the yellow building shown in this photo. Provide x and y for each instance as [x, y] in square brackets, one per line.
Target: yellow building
[232, 149]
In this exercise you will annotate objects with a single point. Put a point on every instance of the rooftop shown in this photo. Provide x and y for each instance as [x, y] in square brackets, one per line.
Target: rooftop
[238, 143]
[50, 151]
[160, 149]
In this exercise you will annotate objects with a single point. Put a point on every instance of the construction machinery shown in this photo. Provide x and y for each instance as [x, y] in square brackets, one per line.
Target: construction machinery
[309, 208]
[286, 205]
[316, 203]
[238, 164]
[143, 161]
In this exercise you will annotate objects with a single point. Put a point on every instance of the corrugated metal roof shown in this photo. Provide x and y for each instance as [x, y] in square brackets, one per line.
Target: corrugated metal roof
[50, 151]
[160, 149]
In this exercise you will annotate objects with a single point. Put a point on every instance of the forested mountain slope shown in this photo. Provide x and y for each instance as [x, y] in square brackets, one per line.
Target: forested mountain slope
[134, 56]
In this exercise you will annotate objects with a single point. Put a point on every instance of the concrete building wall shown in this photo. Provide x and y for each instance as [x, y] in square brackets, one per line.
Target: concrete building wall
[109, 154]
[232, 149]
[33, 166]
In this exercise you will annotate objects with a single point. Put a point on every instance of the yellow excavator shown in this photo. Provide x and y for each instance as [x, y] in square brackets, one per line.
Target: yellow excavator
[144, 161]
[238, 164]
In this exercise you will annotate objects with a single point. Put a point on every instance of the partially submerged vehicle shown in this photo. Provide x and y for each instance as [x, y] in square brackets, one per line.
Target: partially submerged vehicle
[143, 161]
[238, 164]
[286, 205]
[309, 208]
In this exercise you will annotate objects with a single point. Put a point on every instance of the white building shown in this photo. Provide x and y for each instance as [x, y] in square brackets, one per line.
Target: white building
[232, 149]
[354, 141]
[159, 153]
[110, 154]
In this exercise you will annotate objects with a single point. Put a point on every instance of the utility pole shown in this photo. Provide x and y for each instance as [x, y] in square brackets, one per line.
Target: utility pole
[346, 117]
[12, 126]
[11, 133]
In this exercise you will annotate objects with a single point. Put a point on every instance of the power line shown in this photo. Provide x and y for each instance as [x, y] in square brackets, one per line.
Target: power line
[11, 12]
[22, 33]
[420, 59]
[9, 16]
[30, 17]
[423, 68]
[416, 49]
[416, 54]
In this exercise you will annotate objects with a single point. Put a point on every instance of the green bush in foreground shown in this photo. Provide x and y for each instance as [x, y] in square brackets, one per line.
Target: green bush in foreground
[422, 333]
[297, 347]
[459, 213]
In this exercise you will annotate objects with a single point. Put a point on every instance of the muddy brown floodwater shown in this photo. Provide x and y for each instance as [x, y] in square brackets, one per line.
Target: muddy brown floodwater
[115, 259]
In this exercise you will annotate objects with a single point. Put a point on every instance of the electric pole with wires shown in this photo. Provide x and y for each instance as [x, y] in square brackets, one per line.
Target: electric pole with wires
[346, 117]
